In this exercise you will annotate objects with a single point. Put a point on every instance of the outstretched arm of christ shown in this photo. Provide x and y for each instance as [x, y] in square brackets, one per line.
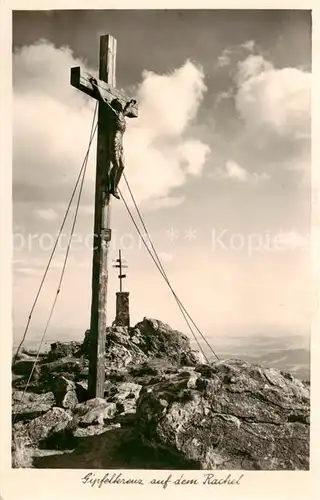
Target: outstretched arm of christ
[126, 109]
[95, 86]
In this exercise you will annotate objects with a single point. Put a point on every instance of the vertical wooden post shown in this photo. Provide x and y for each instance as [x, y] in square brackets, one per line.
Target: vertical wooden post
[102, 231]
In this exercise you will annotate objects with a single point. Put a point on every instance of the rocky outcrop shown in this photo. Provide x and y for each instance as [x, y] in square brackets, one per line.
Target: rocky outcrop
[149, 339]
[230, 415]
[160, 399]
[156, 339]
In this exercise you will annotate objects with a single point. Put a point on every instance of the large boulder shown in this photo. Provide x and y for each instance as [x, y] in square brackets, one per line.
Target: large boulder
[120, 350]
[125, 396]
[64, 391]
[34, 352]
[24, 366]
[33, 433]
[64, 349]
[27, 438]
[93, 417]
[94, 411]
[54, 421]
[71, 368]
[28, 405]
[157, 339]
[229, 415]
[82, 391]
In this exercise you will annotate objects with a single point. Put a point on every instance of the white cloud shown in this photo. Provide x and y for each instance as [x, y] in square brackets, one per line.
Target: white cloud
[249, 45]
[52, 121]
[168, 202]
[260, 177]
[233, 171]
[158, 158]
[46, 213]
[42, 69]
[168, 102]
[274, 106]
[228, 55]
[224, 59]
[252, 66]
[276, 100]
[192, 155]
[223, 96]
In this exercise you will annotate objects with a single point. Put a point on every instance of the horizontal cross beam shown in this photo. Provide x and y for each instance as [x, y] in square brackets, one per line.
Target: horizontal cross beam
[80, 80]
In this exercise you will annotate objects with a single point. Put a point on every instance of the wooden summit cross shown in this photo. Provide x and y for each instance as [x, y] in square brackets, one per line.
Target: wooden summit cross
[102, 232]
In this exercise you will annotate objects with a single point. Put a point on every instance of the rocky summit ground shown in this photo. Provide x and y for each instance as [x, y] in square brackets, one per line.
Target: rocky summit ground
[164, 407]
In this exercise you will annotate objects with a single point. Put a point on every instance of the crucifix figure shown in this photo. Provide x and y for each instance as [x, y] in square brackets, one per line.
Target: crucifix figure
[117, 119]
[114, 107]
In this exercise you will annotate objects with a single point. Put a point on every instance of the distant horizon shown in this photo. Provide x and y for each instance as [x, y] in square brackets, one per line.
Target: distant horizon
[67, 334]
[286, 353]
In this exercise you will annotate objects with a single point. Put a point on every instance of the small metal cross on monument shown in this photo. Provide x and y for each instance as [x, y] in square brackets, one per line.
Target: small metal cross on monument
[121, 265]
[114, 106]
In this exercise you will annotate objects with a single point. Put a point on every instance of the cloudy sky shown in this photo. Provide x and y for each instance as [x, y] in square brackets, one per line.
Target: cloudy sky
[218, 160]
